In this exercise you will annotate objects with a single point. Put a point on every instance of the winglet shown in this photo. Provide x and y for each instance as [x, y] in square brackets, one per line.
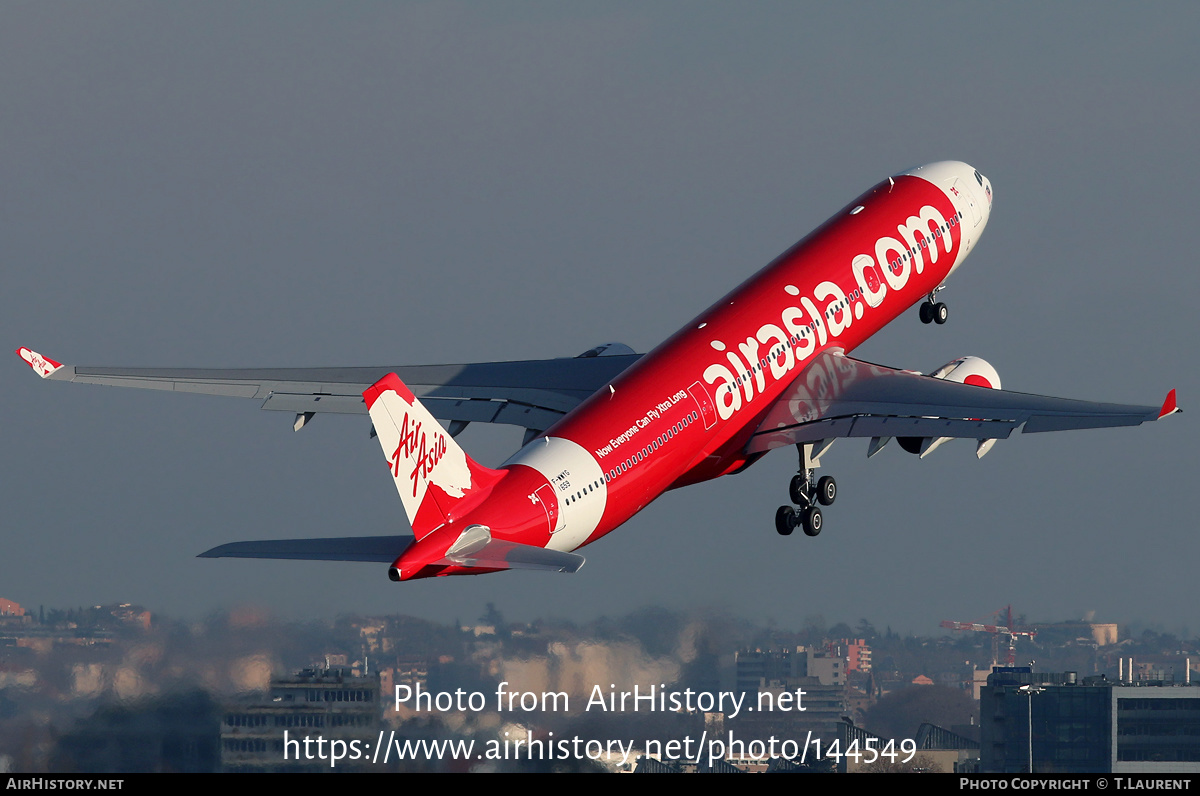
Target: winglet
[1169, 407]
[42, 366]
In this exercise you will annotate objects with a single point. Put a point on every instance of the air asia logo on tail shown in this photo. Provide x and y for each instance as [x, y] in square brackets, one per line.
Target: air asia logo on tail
[414, 447]
[420, 455]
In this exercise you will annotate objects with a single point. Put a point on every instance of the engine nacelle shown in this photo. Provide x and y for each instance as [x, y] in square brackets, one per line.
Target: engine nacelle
[969, 370]
[964, 370]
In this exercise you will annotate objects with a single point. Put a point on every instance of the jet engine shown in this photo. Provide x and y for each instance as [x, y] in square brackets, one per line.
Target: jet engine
[964, 370]
[969, 370]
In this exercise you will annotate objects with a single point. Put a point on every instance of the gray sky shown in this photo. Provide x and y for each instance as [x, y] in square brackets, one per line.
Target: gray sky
[289, 184]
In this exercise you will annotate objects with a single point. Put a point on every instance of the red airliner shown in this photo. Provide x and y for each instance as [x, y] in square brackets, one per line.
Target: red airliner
[607, 432]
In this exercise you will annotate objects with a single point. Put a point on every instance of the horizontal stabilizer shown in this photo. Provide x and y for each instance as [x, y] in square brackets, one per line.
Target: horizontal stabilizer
[370, 549]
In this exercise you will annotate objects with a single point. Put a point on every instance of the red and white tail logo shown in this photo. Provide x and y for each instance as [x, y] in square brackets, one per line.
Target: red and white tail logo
[41, 365]
[432, 473]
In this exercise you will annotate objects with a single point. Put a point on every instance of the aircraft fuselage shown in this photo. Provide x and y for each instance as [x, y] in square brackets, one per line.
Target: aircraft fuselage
[685, 412]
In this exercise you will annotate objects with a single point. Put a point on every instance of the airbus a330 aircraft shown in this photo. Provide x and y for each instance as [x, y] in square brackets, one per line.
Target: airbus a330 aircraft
[607, 432]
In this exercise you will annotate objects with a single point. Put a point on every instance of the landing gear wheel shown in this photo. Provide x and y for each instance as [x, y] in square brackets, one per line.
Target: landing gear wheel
[940, 313]
[826, 490]
[812, 520]
[926, 312]
[785, 520]
[798, 490]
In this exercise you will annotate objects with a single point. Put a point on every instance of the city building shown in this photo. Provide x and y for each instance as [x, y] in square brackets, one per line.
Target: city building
[753, 667]
[268, 735]
[1064, 724]
[934, 750]
[800, 690]
[856, 652]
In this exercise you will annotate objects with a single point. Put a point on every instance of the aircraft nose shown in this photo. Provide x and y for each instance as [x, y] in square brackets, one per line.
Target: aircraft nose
[971, 190]
[968, 190]
[984, 189]
[978, 201]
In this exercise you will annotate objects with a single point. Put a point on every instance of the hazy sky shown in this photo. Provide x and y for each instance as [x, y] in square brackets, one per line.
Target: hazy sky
[288, 184]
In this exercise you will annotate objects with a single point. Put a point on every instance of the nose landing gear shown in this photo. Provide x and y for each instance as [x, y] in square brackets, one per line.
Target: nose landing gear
[806, 494]
[932, 310]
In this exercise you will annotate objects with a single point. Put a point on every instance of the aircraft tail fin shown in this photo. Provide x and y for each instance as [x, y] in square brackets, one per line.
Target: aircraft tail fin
[433, 475]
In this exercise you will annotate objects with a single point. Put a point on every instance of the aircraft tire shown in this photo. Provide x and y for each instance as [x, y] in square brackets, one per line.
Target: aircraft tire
[926, 312]
[826, 490]
[785, 520]
[812, 521]
[940, 313]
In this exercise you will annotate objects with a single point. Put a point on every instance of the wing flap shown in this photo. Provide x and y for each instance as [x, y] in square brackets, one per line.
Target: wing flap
[302, 402]
[213, 387]
[1037, 424]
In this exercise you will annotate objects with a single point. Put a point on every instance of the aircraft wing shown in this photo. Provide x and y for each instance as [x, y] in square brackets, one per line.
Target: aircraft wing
[533, 394]
[837, 396]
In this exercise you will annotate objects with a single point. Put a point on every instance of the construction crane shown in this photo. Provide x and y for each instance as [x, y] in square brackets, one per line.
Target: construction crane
[997, 631]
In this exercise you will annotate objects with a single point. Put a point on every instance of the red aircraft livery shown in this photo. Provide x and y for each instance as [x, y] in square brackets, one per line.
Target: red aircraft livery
[767, 366]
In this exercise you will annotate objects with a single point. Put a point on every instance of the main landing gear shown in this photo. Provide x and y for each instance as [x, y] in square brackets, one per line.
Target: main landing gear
[932, 310]
[806, 494]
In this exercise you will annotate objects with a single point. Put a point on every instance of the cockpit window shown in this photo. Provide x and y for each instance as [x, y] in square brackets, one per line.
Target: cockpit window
[978, 177]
